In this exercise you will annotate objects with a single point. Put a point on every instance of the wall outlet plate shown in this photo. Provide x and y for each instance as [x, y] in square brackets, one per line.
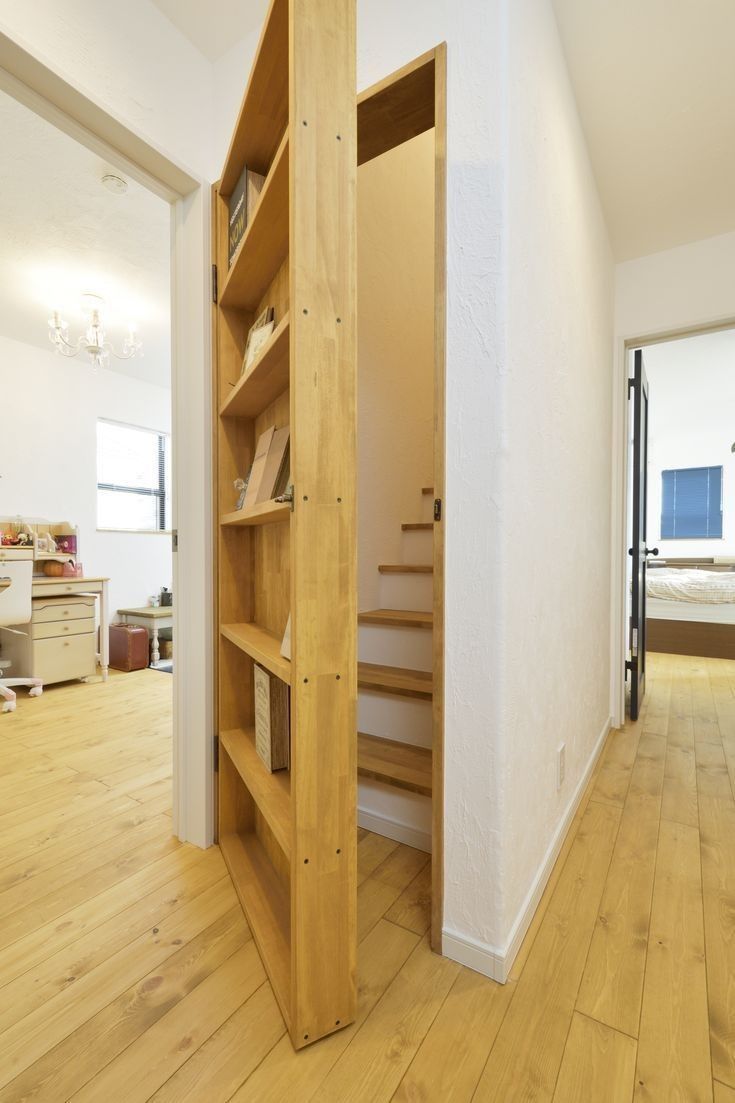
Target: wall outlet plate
[561, 764]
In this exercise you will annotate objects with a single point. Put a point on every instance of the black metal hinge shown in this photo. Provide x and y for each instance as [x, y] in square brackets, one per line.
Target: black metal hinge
[214, 283]
[631, 385]
[216, 753]
[437, 509]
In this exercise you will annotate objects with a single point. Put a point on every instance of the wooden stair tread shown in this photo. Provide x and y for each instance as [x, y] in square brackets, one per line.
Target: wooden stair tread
[417, 526]
[395, 679]
[427, 489]
[397, 618]
[406, 568]
[398, 764]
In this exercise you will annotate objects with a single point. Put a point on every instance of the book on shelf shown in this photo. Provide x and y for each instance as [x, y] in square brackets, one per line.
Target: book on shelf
[241, 207]
[257, 338]
[271, 720]
[256, 471]
[276, 460]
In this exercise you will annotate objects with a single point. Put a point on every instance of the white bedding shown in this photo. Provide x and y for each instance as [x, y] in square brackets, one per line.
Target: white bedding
[695, 586]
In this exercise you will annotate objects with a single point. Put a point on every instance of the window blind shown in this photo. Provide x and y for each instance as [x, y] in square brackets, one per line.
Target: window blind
[691, 503]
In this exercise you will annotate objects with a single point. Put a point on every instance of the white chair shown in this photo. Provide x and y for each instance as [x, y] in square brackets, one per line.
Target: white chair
[16, 580]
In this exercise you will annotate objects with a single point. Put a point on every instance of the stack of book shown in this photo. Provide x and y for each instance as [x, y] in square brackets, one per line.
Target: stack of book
[270, 472]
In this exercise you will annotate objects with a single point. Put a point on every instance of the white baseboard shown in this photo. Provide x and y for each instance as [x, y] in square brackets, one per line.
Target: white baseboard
[393, 829]
[493, 961]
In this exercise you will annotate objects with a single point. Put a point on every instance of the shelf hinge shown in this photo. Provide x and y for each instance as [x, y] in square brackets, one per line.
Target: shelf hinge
[216, 753]
[631, 385]
[214, 283]
[437, 509]
[175, 540]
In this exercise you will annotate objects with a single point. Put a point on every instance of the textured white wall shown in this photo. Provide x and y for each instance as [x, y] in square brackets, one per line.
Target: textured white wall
[48, 459]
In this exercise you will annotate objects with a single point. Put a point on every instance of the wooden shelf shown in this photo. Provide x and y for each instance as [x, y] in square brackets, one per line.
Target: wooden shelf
[395, 679]
[405, 568]
[427, 489]
[262, 646]
[271, 792]
[397, 618]
[264, 113]
[393, 763]
[420, 526]
[267, 378]
[265, 513]
[264, 246]
[267, 909]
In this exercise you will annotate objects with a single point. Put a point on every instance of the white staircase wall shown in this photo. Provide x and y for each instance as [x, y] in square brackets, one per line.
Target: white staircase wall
[417, 546]
[403, 816]
[404, 719]
[407, 591]
[407, 647]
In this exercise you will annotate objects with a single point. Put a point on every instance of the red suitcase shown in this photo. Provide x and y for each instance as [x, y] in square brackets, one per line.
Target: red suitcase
[128, 647]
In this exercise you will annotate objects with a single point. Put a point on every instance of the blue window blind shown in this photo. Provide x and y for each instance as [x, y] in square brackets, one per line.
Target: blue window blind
[691, 503]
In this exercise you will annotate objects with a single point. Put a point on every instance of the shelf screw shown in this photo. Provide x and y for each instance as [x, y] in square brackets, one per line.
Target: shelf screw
[306, 497]
[339, 137]
[339, 499]
[305, 311]
[305, 680]
[337, 1022]
[306, 861]
[305, 123]
[339, 321]
[339, 850]
[338, 677]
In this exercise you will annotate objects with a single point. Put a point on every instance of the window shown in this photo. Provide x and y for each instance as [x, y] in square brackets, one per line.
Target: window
[691, 503]
[133, 478]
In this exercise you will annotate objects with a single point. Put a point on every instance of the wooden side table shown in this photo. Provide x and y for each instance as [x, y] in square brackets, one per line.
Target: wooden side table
[152, 617]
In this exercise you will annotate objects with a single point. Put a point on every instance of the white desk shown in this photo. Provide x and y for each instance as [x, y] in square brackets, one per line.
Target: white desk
[63, 587]
[152, 617]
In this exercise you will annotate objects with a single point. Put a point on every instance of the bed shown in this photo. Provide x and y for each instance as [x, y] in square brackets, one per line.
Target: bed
[691, 609]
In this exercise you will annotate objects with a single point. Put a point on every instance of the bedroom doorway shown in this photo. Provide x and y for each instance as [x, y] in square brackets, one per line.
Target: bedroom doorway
[680, 504]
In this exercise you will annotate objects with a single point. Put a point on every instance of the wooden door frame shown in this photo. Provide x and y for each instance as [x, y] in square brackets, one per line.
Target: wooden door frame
[53, 97]
[405, 104]
[620, 498]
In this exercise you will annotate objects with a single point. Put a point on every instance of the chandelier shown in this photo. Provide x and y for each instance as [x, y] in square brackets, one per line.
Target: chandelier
[93, 341]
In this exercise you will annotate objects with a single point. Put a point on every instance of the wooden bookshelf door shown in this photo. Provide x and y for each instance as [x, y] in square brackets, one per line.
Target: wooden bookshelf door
[289, 838]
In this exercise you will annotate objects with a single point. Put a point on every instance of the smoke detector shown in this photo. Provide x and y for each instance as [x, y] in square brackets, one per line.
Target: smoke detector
[115, 183]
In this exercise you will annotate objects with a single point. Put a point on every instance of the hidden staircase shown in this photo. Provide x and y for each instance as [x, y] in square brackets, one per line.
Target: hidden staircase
[395, 697]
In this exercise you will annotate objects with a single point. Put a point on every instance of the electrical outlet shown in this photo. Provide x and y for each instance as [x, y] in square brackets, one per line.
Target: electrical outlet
[561, 764]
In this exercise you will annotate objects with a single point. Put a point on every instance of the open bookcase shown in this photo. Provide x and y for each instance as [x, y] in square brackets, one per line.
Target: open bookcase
[289, 837]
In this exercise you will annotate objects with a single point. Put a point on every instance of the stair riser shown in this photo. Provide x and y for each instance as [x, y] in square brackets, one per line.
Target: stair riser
[427, 508]
[395, 813]
[407, 647]
[405, 719]
[406, 591]
[417, 547]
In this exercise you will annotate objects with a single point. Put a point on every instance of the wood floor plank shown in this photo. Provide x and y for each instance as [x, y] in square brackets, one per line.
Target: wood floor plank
[450, 1060]
[382, 888]
[612, 982]
[598, 1064]
[673, 1045]
[412, 909]
[374, 1063]
[680, 786]
[723, 1093]
[525, 1060]
[63, 1068]
[218, 1068]
[289, 1077]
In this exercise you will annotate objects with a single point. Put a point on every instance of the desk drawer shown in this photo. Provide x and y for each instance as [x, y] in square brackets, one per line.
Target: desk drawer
[62, 587]
[53, 628]
[75, 608]
[60, 660]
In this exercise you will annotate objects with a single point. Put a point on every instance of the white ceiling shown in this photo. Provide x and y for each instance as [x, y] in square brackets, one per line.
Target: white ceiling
[62, 233]
[655, 86]
[214, 27]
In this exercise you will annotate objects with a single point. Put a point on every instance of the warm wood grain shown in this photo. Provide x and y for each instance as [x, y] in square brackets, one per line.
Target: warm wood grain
[265, 380]
[263, 115]
[397, 618]
[271, 792]
[598, 1064]
[394, 763]
[420, 526]
[261, 645]
[396, 109]
[395, 679]
[405, 568]
[673, 1043]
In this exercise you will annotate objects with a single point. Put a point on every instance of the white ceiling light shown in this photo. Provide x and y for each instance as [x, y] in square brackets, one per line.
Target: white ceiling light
[115, 183]
[93, 341]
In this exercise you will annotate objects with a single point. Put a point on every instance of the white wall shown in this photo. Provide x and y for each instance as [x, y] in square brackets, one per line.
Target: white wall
[691, 423]
[395, 375]
[48, 459]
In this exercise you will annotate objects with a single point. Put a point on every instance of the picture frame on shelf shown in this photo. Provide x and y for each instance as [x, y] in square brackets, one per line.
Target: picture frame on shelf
[258, 334]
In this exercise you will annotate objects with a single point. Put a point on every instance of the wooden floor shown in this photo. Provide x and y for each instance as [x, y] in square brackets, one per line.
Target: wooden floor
[127, 971]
